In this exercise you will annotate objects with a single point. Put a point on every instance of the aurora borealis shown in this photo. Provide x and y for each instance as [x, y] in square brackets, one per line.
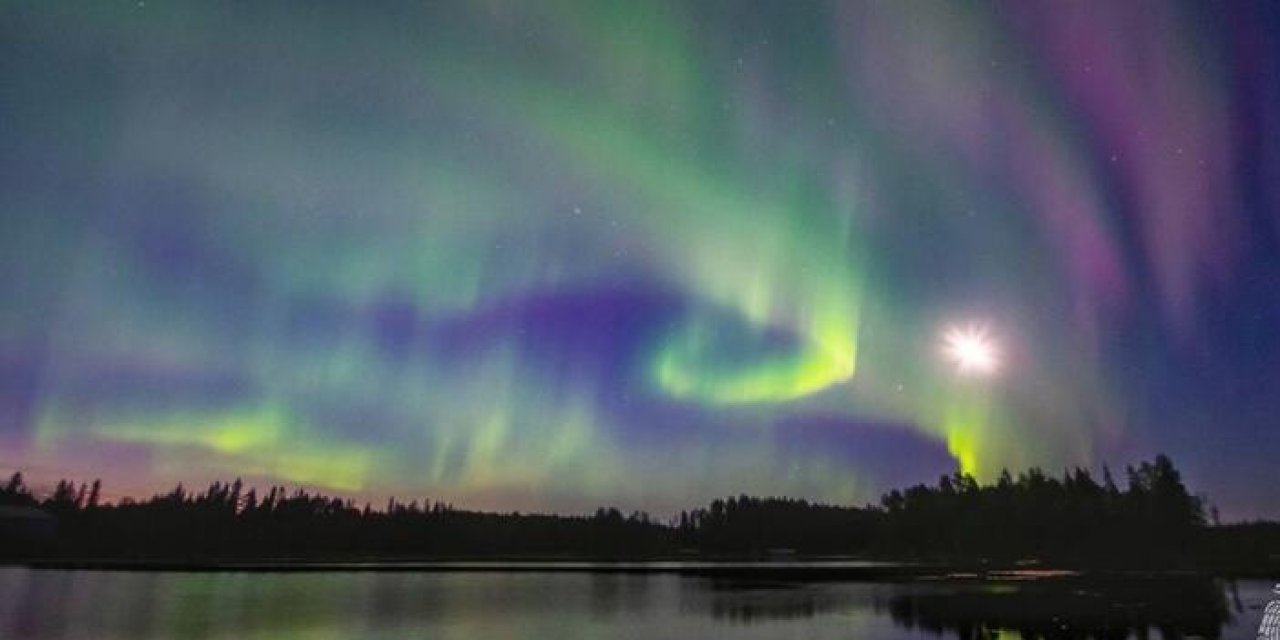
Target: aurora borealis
[550, 255]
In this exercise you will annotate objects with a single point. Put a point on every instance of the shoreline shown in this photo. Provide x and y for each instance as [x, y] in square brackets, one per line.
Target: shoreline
[816, 570]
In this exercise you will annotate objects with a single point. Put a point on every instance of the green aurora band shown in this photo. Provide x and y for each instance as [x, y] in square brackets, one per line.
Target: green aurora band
[548, 254]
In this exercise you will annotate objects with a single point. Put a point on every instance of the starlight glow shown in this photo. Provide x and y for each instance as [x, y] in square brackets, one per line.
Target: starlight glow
[972, 349]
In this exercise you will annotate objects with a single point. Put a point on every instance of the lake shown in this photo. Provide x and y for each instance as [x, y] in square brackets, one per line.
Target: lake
[492, 605]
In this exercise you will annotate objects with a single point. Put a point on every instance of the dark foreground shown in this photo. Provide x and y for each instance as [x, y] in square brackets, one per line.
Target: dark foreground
[1154, 522]
[585, 600]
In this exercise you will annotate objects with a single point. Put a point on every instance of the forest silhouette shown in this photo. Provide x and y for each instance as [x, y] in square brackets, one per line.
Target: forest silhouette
[1153, 521]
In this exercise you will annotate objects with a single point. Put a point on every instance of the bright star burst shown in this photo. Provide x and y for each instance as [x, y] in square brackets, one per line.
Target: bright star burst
[972, 349]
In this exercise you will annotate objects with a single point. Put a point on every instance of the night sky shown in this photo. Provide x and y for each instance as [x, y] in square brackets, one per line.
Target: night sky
[550, 255]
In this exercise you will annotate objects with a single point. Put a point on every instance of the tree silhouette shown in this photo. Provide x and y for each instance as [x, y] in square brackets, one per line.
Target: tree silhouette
[1070, 520]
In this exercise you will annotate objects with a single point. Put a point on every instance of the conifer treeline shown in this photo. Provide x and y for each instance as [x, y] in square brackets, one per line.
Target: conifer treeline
[1153, 519]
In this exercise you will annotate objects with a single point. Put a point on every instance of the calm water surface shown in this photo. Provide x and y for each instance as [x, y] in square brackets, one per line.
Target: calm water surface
[495, 605]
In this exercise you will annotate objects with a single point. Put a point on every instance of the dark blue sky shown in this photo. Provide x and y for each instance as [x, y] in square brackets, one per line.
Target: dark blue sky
[557, 254]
